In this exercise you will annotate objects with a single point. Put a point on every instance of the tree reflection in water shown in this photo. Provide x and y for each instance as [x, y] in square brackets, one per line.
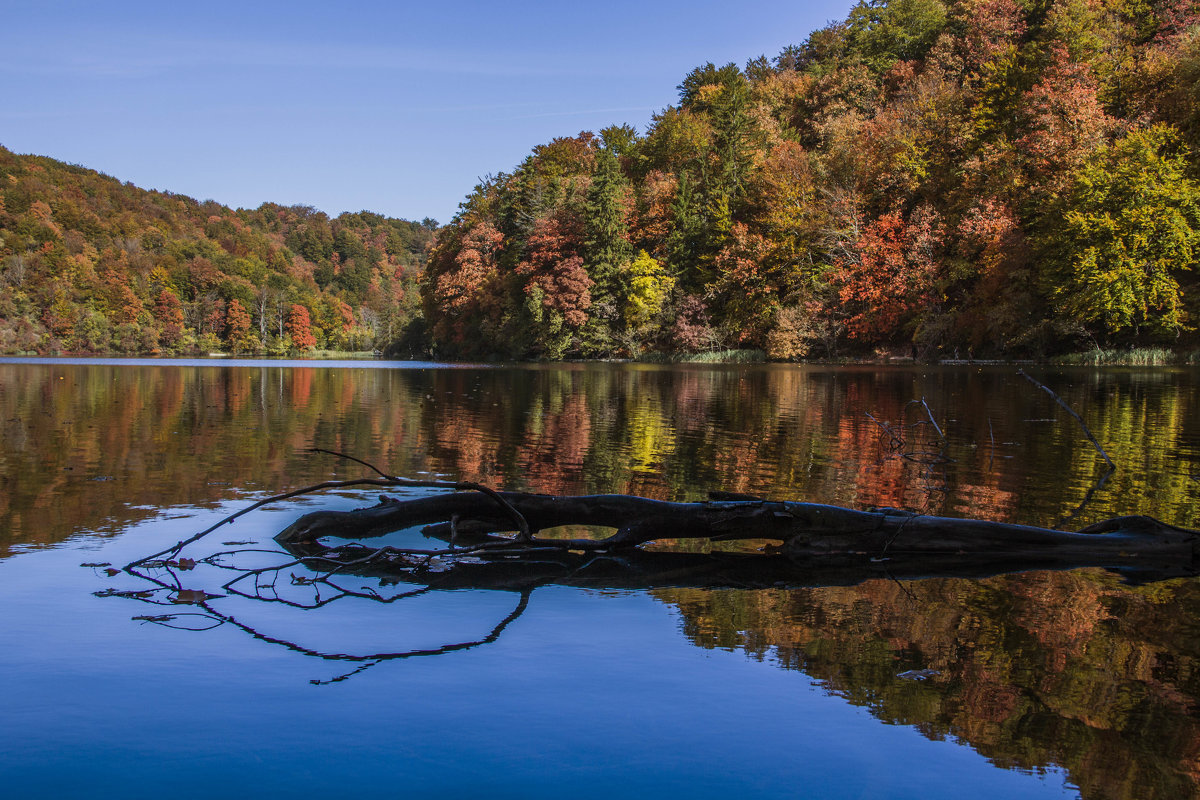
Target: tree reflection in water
[1034, 670]
[169, 592]
[1037, 669]
[1044, 668]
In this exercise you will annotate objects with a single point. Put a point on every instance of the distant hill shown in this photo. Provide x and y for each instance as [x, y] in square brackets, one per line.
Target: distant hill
[89, 264]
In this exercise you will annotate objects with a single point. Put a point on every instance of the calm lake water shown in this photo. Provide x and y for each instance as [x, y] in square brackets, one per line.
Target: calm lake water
[1042, 684]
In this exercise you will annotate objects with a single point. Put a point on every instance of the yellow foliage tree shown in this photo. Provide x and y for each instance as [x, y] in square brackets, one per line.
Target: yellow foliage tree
[649, 286]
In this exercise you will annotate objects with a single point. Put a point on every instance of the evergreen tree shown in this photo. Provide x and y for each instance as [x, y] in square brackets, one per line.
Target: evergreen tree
[606, 247]
[683, 241]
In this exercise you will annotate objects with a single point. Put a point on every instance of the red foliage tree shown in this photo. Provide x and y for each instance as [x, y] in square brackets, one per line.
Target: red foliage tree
[1175, 18]
[692, 331]
[1065, 122]
[203, 275]
[999, 295]
[988, 234]
[123, 304]
[168, 310]
[209, 310]
[464, 275]
[990, 29]
[556, 271]
[749, 299]
[891, 273]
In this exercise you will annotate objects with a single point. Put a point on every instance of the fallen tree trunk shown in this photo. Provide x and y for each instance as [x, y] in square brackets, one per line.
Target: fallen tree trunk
[807, 531]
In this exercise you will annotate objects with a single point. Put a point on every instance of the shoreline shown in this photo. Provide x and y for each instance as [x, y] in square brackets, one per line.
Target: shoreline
[1133, 358]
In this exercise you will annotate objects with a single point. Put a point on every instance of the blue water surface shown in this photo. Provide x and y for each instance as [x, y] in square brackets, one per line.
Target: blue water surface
[591, 694]
[587, 693]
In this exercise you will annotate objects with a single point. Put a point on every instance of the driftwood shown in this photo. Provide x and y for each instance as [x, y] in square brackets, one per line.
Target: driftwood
[498, 541]
[810, 536]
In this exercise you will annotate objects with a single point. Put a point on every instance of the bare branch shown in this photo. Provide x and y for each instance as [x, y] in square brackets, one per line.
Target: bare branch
[1071, 411]
[932, 421]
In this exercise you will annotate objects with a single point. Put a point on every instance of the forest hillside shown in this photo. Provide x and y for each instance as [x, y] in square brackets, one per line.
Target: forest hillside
[981, 177]
[89, 264]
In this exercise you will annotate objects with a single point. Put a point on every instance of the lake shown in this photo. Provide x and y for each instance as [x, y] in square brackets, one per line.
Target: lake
[1040, 684]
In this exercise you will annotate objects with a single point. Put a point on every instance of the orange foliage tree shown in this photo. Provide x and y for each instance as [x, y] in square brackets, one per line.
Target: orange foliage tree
[299, 328]
[891, 274]
[237, 326]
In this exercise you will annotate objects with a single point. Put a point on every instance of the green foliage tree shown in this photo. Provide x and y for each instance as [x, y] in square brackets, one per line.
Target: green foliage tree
[606, 247]
[620, 140]
[733, 142]
[1129, 237]
[691, 89]
[685, 241]
[883, 32]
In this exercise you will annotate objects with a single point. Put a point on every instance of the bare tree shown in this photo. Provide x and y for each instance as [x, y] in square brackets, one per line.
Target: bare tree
[262, 304]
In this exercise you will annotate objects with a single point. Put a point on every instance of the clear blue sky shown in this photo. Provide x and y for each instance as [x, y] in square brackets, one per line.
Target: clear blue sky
[395, 107]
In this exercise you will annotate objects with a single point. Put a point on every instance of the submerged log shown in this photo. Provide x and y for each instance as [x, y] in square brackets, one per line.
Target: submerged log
[809, 533]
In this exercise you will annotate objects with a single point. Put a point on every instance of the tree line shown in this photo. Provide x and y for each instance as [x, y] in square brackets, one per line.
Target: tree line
[987, 177]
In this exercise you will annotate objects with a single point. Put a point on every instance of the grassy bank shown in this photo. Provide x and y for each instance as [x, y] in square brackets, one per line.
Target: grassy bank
[713, 357]
[339, 355]
[1137, 357]
[308, 355]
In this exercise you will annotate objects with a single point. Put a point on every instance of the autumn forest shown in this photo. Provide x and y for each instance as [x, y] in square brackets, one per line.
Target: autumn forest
[983, 177]
[92, 266]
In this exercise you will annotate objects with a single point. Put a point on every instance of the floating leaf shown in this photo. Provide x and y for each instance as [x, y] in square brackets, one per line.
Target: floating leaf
[192, 596]
[142, 595]
[110, 572]
[186, 563]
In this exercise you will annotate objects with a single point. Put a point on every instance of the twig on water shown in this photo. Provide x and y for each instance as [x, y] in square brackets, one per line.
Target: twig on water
[932, 421]
[899, 447]
[1087, 498]
[992, 438]
[897, 440]
[1111, 466]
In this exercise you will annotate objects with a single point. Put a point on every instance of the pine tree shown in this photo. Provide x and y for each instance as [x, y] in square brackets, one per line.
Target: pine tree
[683, 242]
[606, 247]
